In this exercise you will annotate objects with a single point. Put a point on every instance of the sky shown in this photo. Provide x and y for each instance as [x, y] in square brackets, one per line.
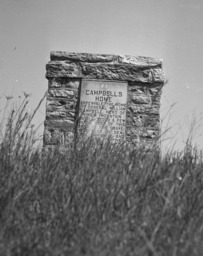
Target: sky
[170, 30]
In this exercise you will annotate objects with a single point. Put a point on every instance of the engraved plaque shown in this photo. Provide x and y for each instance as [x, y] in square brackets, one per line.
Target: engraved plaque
[103, 107]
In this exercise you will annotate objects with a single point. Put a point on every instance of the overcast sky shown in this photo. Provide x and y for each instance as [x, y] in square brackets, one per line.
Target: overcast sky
[168, 29]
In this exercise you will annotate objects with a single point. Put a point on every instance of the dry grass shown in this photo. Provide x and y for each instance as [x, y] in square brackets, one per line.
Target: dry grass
[96, 200]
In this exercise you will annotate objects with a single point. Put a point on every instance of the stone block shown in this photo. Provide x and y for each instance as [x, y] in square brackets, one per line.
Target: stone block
[60, 109]
[140, 99]
[150, 134]
[57, 137]
[143, 109]
[141, 132]
[52, 136]
[62, 69]
[83, 57]
[149, 121]
[137, 89]
[64, 83]
[155, 91]
[54, 104]
[62, 93]
[156, 100]
[133, 131]
[60, 114]
[155, 95]
[62, 124]
[121, 72]
[68, 138]
[138, 61]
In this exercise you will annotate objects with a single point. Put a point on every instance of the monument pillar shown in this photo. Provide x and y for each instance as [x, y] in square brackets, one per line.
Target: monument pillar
[110, 95]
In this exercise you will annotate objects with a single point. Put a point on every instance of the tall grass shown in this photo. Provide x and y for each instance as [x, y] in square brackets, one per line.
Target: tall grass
[96, 199]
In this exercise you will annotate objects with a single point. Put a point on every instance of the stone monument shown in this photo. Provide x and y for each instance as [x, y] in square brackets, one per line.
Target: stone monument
[104, 95]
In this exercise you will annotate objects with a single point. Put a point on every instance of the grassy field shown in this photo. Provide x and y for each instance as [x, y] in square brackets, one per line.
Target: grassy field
[96, 199]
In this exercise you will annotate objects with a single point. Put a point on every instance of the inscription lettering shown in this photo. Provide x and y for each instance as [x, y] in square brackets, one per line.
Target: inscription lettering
[103, 107]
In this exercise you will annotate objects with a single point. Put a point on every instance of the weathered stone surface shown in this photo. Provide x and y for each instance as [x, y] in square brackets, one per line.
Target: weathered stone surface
[83, 57]
[132, 132]
[149, 109]
[104, 71]
[52, 136]
[137, 89]
[62, 93]
[138, 61]
[155, 95]
[142, 133]
[121, 72]
[151, 134]
[64, 83]
[62, 124]
[67, 72]
[56, 137]
[62, 69]
[156, 100]
[150, 121]
[54, 104]
[68, 138]
[155, 91]
[140, 99]
[62, 114]
[56, 110]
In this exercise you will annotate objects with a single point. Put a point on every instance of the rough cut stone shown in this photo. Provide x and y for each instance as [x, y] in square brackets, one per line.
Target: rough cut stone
[64, 83]
[144, 79]
[68, 94]
[104, 71]
[150, 121]
[63, 114]
[56, 137]
[68, 138]
[121, 72]
[52, 136]
[57, 104]
[140, 99]
[133, 132]
[138, 61]
[151, 134]
[60, 124]
[138, 90]
[62, 69]
[139, 132]
[60, 109]
[149, 109]
[156, 100]
[156, 91]
[83, 57]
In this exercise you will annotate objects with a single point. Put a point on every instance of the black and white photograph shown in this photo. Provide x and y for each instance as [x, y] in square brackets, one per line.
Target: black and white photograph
[101, 128]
